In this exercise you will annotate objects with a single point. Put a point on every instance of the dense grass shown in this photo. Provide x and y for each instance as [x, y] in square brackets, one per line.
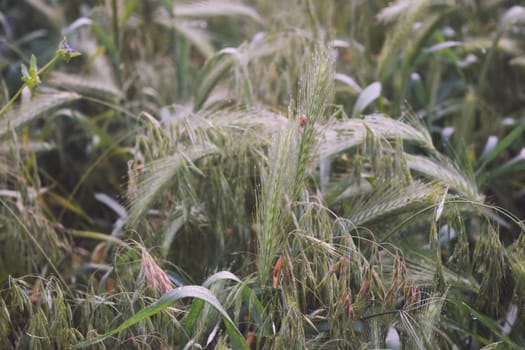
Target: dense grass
[262, 174]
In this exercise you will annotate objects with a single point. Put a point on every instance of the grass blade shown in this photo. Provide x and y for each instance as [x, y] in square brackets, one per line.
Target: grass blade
[369, 95]
[490, 324]
[501, 146]
[166, 301]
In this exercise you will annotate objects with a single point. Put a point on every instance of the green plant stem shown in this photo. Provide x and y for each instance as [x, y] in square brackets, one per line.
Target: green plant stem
[12, 100]
[114, 10]
[19, 92]
[379, 314]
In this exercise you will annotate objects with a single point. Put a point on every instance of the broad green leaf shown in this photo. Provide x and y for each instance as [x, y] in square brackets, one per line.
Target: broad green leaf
[219, 276]
[193, 315]
[166, 301]
[198, 304]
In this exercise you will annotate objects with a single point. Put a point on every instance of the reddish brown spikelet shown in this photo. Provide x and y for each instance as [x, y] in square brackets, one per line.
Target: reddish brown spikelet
[350, 309]
[365, 287]
[277, 271]
[155, 277]
[413, 297]
[302, 122]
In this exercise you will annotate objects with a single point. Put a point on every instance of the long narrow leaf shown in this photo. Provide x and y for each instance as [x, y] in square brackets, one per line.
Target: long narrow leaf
[222, 275]
[490, 324]
[367, 96]
[502, 145]
[168, 300]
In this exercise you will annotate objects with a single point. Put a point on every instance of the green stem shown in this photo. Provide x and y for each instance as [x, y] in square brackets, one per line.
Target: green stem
[17, 94]
[114, 10]
[11, 101]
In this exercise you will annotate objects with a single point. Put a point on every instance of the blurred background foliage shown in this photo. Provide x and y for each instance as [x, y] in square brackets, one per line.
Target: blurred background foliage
[316, 174]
